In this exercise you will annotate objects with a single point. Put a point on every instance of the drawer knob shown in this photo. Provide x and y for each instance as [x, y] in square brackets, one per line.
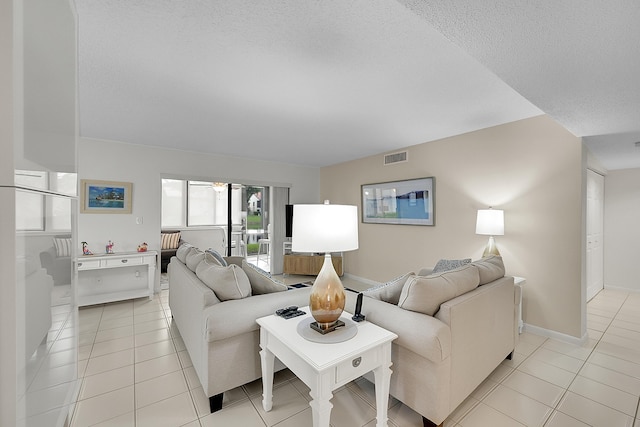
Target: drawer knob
[79, 264]
[356, 362]
[124, 261]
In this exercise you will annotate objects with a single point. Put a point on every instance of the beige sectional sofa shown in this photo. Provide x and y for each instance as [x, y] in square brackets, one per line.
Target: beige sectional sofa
[219, 327]
[454, 328]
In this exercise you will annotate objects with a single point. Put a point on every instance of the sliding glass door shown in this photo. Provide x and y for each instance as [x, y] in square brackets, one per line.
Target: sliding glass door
[244, 211]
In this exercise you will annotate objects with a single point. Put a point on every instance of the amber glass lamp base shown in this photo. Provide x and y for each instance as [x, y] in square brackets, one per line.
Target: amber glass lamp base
[327, 298]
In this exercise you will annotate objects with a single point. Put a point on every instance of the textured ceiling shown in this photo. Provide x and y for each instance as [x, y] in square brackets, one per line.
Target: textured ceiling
[321, 82]
[578, 61]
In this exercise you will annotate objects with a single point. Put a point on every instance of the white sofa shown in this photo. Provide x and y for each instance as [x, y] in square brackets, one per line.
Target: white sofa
[439, 360]
[222, 337]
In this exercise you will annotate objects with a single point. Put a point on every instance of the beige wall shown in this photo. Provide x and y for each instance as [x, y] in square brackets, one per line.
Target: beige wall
[533, 169]
[621, 229]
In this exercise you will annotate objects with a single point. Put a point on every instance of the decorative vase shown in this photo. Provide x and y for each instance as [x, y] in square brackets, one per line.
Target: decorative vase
[327, 297]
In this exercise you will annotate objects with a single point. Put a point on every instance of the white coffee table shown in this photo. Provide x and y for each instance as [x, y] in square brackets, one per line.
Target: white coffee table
[325, 367]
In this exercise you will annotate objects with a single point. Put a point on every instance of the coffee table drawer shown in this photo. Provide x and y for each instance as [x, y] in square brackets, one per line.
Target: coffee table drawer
[357, 366]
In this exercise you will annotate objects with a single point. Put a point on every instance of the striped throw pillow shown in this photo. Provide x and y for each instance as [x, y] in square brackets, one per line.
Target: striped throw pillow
[63, 246]
[170, 240]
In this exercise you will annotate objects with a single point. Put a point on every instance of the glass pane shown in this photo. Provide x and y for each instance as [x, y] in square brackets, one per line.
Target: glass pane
[46, 323]
[60, 214]
[64, 183]
[31, 179]
[173, 203]
[30, 214]
[202, 207]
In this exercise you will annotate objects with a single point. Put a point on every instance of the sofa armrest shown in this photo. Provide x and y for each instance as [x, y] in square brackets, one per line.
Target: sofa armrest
[418, 332]
[234, 317]
[46, 258]
[482, 326]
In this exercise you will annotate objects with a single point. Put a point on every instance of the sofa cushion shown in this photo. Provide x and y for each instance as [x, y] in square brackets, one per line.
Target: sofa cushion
[194, 256]
[170, 240]
[63, 246]
[490, 268]
[182, 252]
[227, 283]
[449, 264]
[425, 271]
[424, 294]
[215, 254]
[390, 291]
[261, 281]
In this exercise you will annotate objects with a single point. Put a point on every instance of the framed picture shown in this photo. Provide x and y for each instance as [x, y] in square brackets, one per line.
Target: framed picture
[409, 202]
[105, 197]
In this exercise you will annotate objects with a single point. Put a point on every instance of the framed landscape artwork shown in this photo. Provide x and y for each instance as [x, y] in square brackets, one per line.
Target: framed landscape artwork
[409, 202]
[105, 197]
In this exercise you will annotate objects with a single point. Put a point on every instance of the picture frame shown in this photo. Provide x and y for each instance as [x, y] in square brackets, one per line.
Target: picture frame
[406, 202]
[105, 197]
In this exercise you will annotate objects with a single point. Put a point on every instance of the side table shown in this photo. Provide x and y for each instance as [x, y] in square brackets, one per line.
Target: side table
[325, 367]
[520, 282]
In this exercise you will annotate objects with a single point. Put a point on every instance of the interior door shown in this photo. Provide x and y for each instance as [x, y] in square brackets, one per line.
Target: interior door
[595, 230]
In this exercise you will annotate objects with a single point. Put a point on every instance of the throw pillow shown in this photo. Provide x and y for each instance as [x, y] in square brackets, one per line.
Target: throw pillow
[449, 264]
[170, 240]
[227, 283]
[424, 294]
[261, 281]
[182, 252]
[390, 291]
[491, 268]
[194, 257]
[217, 256]
[210, 259]
[63, 246]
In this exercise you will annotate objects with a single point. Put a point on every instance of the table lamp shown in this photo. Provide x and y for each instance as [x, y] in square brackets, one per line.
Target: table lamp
[325, 228]
[490, 222]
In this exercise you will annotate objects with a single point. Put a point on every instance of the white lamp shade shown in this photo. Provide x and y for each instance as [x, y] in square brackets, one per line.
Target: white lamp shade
[490, 222]
[324, 228]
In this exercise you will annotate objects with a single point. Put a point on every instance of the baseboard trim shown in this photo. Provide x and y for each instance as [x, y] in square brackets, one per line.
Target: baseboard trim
[361, 279]
[620, 288]
[559, 336]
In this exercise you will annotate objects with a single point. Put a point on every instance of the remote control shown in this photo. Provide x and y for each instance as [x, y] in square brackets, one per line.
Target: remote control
[289, 312]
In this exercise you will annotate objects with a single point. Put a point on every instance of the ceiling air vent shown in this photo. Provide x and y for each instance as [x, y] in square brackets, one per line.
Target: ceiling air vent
[400, 157]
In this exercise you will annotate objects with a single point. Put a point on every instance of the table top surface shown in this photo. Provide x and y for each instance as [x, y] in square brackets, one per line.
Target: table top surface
[322, 355]
[115, 255]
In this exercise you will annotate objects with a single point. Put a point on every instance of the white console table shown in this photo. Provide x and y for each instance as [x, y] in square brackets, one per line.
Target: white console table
[114, 277]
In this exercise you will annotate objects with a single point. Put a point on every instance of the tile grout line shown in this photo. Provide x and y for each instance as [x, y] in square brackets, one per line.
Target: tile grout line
[584, 363]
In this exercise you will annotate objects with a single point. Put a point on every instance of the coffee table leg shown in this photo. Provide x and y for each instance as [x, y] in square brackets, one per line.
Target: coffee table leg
[321, 404]
[267, 358]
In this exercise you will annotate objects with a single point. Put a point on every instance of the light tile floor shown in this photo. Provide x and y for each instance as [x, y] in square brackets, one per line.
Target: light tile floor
[136, 372]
